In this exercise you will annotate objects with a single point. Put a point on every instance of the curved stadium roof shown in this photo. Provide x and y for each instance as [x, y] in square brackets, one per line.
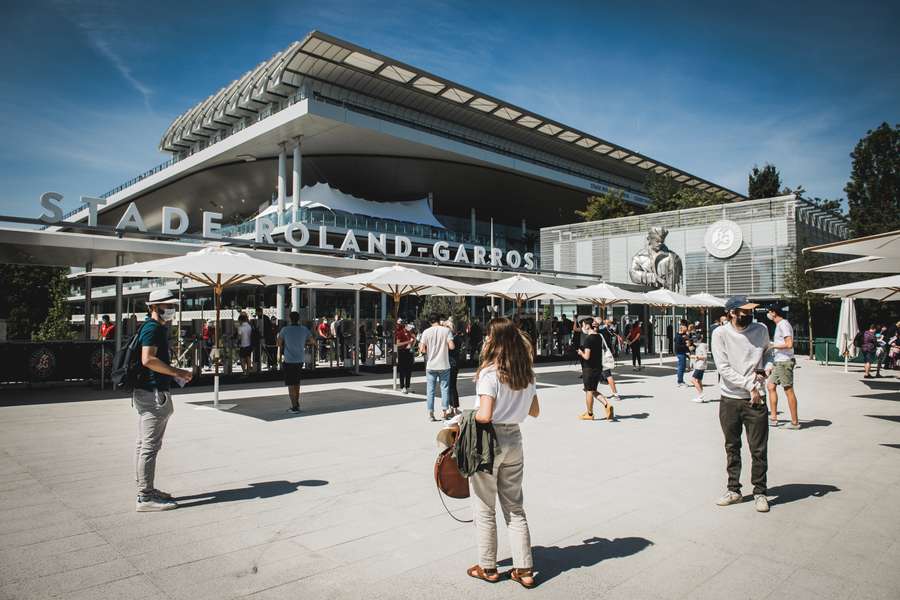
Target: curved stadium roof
[339, 70]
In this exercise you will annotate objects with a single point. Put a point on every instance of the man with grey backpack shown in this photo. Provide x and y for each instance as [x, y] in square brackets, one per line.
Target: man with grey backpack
[153, 399]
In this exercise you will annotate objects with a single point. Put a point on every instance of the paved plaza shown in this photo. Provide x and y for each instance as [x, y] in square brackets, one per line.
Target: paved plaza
[339, 502]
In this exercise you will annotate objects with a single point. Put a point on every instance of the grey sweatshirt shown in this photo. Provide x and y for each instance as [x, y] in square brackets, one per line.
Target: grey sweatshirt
[738, 354]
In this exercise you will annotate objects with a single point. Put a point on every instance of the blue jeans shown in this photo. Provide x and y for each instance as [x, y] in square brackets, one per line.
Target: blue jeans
[431, 377]
[682, 364]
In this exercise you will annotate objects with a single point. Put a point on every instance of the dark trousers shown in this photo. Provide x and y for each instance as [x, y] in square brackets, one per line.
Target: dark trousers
[454, 393]
[682, 365]
[733, 415]
[404, 366]
[635, 355]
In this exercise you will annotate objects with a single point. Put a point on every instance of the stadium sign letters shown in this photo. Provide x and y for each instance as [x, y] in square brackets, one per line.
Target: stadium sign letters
[175, 221]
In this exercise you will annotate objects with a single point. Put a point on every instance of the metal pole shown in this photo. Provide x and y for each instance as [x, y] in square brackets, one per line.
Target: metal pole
[356, 332]
[118, 330]
[180, 301]
[87, 302]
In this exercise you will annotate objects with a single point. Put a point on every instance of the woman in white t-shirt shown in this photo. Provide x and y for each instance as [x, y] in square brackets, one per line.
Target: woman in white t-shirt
[505, 396]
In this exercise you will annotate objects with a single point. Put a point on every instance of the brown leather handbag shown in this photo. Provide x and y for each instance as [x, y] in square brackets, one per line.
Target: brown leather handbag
[449, 480]
[447, 476]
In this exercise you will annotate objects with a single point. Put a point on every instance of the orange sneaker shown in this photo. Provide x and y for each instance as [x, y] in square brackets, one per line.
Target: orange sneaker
[587, 417]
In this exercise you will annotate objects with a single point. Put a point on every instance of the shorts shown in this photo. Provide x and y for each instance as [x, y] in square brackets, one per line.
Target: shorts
[590, 378]
[245, 351]
[697, 374]
[292, 373]
[783, 373]
[868, 356]
[605, 374]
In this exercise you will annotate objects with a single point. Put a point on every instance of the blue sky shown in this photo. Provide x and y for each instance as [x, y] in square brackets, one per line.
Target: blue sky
[87, 88]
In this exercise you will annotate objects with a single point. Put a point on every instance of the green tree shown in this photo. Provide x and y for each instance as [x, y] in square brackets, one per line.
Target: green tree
[873, 192]
[56, 325]
[27, 297]
[688, 197]
[798, 284]
[763, 183]
[447, 306]
[662, 190]
[609, 205]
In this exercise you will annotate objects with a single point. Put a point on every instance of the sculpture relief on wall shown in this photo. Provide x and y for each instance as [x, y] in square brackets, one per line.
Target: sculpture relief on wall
[656, 265]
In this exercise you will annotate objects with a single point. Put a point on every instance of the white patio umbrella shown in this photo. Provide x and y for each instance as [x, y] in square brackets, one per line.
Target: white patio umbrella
[713, 301]
[847, 330]
[398, 281]
[521, 289]
[217, 267]
[604, 294]
[883, 289]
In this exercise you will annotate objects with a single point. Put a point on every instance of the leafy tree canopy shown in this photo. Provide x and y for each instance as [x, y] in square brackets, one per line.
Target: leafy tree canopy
[873, 192]
[763, 183]
[29, 293]
[606, 206]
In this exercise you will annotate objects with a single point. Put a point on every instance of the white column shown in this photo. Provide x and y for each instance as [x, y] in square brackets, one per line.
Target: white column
[281, 291]
[282, 183]
[295, 210]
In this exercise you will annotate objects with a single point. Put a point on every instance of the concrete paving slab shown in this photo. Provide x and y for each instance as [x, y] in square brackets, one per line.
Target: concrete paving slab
[340, 502]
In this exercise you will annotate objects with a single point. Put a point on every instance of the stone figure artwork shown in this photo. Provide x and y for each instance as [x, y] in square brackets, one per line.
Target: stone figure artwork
[656, 265]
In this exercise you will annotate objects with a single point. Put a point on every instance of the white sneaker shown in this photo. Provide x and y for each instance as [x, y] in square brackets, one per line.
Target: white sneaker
[730, 498]
[154, 504]
[405, 390]
[698, 400]
[762, 503]
[614, 397]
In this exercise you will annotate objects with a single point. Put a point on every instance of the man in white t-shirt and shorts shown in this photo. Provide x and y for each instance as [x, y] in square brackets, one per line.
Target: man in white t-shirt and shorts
[435, 345]
[781, 369]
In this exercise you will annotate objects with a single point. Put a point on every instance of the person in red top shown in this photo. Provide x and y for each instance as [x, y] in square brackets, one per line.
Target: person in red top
[633, 341]
[323, 330]
[107, 329]
[403, 342]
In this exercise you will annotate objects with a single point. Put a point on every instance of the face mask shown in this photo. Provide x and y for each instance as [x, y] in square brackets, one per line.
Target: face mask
[168, 314]
[744, 320]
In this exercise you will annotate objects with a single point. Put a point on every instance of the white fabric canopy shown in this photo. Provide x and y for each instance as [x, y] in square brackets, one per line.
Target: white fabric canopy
[886, 245]
[865, 264]
[663, 297]
[216, 265]
[712, 300]
[605, 294]
[519, 288]
[884, 289]
[399, 281]
[321, 195]
[847, 329]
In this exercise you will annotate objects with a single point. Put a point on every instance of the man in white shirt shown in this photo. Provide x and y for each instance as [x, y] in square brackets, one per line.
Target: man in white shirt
[245, 343]
[739, 349]
[781, 370]
[435, 345]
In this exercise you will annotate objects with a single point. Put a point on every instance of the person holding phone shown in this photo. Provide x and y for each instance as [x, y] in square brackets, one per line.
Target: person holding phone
[505, 397]
[739, 349]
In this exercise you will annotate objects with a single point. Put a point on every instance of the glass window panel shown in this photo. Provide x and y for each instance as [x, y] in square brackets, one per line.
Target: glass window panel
[586, 142]
[549, 129]
[633, 160]
[603, 148]
[397, 74]
[529, 122]
[568, 136]
[457, 95]
[428, 85]
[507, 113]
[483, 104]
[619, 154]
[363, 61]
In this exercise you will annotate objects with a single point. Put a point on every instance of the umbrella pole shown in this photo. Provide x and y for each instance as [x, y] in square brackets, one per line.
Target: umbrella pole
[217, 293]
[394, 310]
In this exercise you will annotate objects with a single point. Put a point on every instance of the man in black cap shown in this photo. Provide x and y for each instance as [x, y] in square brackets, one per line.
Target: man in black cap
[740, 349]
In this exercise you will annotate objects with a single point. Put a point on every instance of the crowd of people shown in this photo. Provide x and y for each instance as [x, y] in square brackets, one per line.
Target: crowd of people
[750, 365]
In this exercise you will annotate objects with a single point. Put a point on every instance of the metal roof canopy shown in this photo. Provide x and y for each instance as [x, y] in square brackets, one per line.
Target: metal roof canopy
[68, 249]
[330, 61]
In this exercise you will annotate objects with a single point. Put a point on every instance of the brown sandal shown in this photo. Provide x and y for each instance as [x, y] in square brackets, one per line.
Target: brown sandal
[489, 575]
[517, 575]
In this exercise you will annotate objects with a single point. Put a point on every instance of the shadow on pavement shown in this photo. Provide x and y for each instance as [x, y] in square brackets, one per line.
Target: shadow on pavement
[642, 415]
[791, 492]
[550, 561]
[815, 423]
[897, 446]
[274, 408]
[894, 396]
[886, 384]
[263, 489]
[894, 418]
